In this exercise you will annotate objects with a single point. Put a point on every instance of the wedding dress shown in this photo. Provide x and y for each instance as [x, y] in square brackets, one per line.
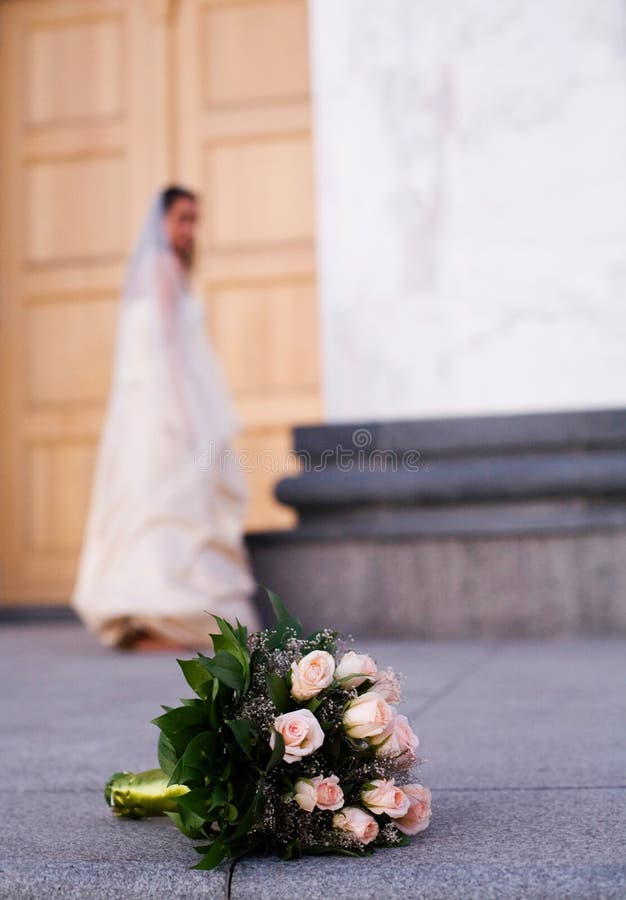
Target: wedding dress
[163, 545]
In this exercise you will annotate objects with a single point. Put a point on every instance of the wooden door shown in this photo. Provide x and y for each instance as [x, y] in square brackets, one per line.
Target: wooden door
[96, 113]
[244, 138]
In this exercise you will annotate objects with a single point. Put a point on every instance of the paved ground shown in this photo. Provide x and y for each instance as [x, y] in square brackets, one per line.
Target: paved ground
[526, 748]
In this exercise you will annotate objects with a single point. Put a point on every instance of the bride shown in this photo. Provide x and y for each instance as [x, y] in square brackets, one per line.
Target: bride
[163, 544]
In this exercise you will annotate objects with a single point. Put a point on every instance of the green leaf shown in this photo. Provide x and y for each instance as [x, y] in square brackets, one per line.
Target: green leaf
[314, 703]
[181, 724]
[199, 758]
[199, 802]
[280, 610]
[242, 634]
[281, 633]
[228, 639]
[332, 747]
[292, 850]
[246, 734]
[366, 686]
[252, 815]
[197, 676]
[235, 641]
[179, 718]
[286, 624]
[231, 812]
[225, 667]
[214, 857]
[277, 753]
[205, 802]
[226, 630]
[279, 692]
[321, 640]
[166, 754]
[195, 833]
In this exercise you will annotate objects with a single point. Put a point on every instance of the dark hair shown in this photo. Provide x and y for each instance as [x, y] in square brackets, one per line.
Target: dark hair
[174, 192]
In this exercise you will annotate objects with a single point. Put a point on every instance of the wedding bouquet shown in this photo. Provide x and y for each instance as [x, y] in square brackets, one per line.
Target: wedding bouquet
[291, 745]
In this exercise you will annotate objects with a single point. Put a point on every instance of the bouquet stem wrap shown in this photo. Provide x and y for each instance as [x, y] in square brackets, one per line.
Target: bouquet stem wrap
[141, 794]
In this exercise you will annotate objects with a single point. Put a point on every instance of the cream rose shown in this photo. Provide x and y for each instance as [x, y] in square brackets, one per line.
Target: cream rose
[301, 732]
[367, 716]
[398, 740]
[383, 796]
[305, 794]
[387, 685]
[357, 822]
[418, 817]
[312, 674]
[354, 669]
[325, 793]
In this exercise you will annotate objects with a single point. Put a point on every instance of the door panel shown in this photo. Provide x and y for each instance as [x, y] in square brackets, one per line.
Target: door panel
[102, 101]
[76, 176]
[245, 143]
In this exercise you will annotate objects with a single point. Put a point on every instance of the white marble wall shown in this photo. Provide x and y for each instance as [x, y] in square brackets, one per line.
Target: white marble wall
[471, 171]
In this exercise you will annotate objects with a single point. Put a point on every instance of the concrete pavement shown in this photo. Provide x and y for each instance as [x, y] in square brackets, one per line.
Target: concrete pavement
[526, 757]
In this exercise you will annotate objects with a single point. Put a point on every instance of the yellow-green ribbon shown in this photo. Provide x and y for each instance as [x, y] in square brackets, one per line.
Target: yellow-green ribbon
[142, 794]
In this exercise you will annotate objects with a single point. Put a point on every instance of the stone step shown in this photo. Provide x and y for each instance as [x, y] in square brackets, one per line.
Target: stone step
[495, 525]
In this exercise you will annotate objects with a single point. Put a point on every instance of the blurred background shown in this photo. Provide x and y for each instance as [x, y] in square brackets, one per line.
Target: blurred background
[411, 212]
[104, 103]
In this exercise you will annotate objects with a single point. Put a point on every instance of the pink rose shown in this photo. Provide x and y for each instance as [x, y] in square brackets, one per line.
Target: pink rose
[398, 740]
[387, 685]
[355, 668]
[301, 732]
[383, 796]
[357, 822]
[324, 793]
[312, 674]
[367, 716]
[418, 817]
[329, 794]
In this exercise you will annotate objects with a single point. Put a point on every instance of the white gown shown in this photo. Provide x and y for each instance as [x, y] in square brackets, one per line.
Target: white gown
[163, 545]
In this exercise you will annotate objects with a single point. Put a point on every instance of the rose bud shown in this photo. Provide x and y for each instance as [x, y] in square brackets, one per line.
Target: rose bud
[357, 822]
[384, 796]
[354, 669]
[312, 674]
[324, 793]
[418, 817]
[305, 794]
[399, 739]
[387, 685]
[367, 716]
